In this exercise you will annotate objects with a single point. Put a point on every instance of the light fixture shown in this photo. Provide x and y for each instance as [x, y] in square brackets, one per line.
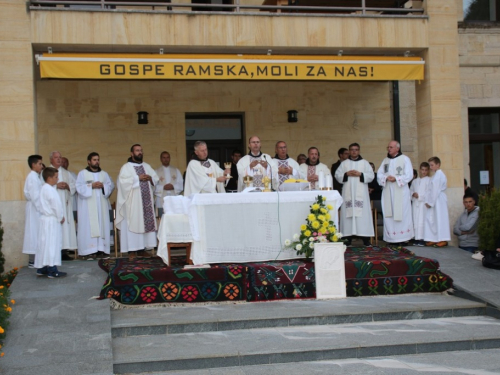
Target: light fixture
[292, 115]
[269, 52]
[340, 53]
[142, 118]
[407, 54]
[190, 132]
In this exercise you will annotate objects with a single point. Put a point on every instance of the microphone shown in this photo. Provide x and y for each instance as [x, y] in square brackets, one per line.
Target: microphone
[270, 165]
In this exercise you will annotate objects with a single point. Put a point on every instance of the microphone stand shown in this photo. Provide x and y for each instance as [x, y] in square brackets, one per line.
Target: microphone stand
[270, 165]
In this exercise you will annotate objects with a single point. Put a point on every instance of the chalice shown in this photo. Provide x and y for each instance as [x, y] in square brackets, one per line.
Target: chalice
[266, 180]
[248, 180]
[227, 165]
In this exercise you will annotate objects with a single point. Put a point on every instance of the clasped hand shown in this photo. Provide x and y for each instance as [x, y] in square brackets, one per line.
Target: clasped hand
[62, 185]
[145, 177]
[261, 162]
[353, 173]
[97, 185]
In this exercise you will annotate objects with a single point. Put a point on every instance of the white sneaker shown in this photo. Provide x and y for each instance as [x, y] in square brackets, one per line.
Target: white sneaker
[477, 256]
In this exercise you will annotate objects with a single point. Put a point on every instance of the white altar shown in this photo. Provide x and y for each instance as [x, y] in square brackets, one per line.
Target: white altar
[226, 228]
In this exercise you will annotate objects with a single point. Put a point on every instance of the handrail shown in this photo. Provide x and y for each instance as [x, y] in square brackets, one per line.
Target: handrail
[236, 7]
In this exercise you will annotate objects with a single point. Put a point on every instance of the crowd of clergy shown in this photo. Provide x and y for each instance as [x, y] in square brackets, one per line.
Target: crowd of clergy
[412, 208]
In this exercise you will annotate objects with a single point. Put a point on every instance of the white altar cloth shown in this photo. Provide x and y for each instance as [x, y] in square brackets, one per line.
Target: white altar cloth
[239, 228]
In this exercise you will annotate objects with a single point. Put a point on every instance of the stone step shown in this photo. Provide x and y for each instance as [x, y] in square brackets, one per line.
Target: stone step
[221, 349]
[226, 317]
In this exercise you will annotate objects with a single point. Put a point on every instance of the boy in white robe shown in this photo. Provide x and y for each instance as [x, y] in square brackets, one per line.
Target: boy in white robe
[94, 186]
[437, 221]
[32, 187]
[418, 191]
[203, 175]
[48, 255]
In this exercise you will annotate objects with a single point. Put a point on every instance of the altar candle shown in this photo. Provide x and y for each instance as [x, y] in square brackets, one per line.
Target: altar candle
[321, 180]
[329, 182]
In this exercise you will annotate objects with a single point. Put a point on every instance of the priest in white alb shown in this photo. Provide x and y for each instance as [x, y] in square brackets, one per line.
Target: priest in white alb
[32, 187]
[312, 168]
[135, 214]
[66, 190]
[257, 165]
[355, 174]
[203, 175]
[287, 167]
[94, 186]
[393, 176]
[171, 181]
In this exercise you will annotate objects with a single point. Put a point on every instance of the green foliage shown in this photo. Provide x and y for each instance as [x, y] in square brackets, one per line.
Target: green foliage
[5, 303]
[2, 259]
[489, 220]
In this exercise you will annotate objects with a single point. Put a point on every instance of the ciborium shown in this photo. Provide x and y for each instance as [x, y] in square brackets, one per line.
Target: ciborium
[266, 181]
[248, 180]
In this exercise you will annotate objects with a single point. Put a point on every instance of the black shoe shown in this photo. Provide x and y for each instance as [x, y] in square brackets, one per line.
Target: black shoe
[65, 256]
[367, 243]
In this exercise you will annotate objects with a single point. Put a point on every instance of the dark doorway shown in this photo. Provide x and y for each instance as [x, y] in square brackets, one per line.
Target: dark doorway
[223, 133]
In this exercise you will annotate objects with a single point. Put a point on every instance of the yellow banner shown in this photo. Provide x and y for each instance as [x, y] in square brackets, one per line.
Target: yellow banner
[230, 67]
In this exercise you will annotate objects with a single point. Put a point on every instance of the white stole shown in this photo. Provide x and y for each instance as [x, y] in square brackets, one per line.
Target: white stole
[356, 207]
[398, 191]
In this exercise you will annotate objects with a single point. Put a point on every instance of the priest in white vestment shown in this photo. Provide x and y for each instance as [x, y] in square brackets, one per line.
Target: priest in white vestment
[65, 165]
[203, 175]
[418, 191]
[355, 174]
[94, 186]
[171, 181]
[287, 167]
[437, 221]
[312, 168]
[393, 176]
[257, 165]
[135, 214]
[48, 254]
[66, 189]
[32, 187]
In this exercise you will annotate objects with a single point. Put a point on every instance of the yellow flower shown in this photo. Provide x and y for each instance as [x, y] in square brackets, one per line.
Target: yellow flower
[8, 309]
[303, 227]
[1, 355]
[332, 230]
[321, 218]
[324, 198]
[315, 206]
[315, 224]
[12, 301]
[311, 217]
[329, 206]
[307, 233]
[328, 216]
[2, 330]
[323, 210]
[325, 224]
[1, 286]
[320, 231]
[335, 238]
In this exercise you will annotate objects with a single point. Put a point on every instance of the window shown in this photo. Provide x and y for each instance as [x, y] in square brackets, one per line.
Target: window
[481, 10]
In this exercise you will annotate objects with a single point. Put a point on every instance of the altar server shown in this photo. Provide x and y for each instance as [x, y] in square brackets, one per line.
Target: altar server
[287, 167]
[135, 215]
[355, 174]
[32, 187]
[94, 186]
[48, 255]
[257, 165]
[171, 181]
[203, 175]
[394, 174]
[437, 222]
[312, 168]
[66, 189]
[418, 192]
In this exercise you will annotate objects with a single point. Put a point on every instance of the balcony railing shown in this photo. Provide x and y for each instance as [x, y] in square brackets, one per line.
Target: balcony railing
[283, 7]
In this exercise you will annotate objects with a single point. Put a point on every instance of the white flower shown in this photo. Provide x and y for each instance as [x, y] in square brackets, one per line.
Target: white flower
[296, 237]
[288, 242]
[298, 247]
[322, 239]
[312, 245]
[305, 241]
[339, 235]
[311, 239]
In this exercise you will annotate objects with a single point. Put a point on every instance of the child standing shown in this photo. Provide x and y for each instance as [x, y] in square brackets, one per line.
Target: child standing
[437, 222]
[418, 191]
[32, 187]
[48, 255]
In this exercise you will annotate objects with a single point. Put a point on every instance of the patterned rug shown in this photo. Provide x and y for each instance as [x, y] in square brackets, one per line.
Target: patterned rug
[369, 271]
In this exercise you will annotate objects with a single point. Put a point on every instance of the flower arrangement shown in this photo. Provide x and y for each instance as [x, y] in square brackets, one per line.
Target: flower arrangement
[318, 228]
[5, 303]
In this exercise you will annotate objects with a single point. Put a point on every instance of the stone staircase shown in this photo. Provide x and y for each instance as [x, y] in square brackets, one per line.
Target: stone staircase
[217, 336]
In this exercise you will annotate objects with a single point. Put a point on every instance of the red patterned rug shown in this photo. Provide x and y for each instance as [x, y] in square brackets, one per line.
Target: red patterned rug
[369, 271]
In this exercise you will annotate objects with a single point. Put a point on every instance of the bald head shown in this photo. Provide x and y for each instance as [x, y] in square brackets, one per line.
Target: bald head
[393, 148]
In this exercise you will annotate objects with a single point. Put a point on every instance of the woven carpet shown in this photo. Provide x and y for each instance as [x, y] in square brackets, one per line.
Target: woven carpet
[369, 271]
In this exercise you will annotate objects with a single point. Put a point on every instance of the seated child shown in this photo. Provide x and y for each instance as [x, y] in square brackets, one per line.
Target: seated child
[48, 255]
[466, 225]
[437, 221]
